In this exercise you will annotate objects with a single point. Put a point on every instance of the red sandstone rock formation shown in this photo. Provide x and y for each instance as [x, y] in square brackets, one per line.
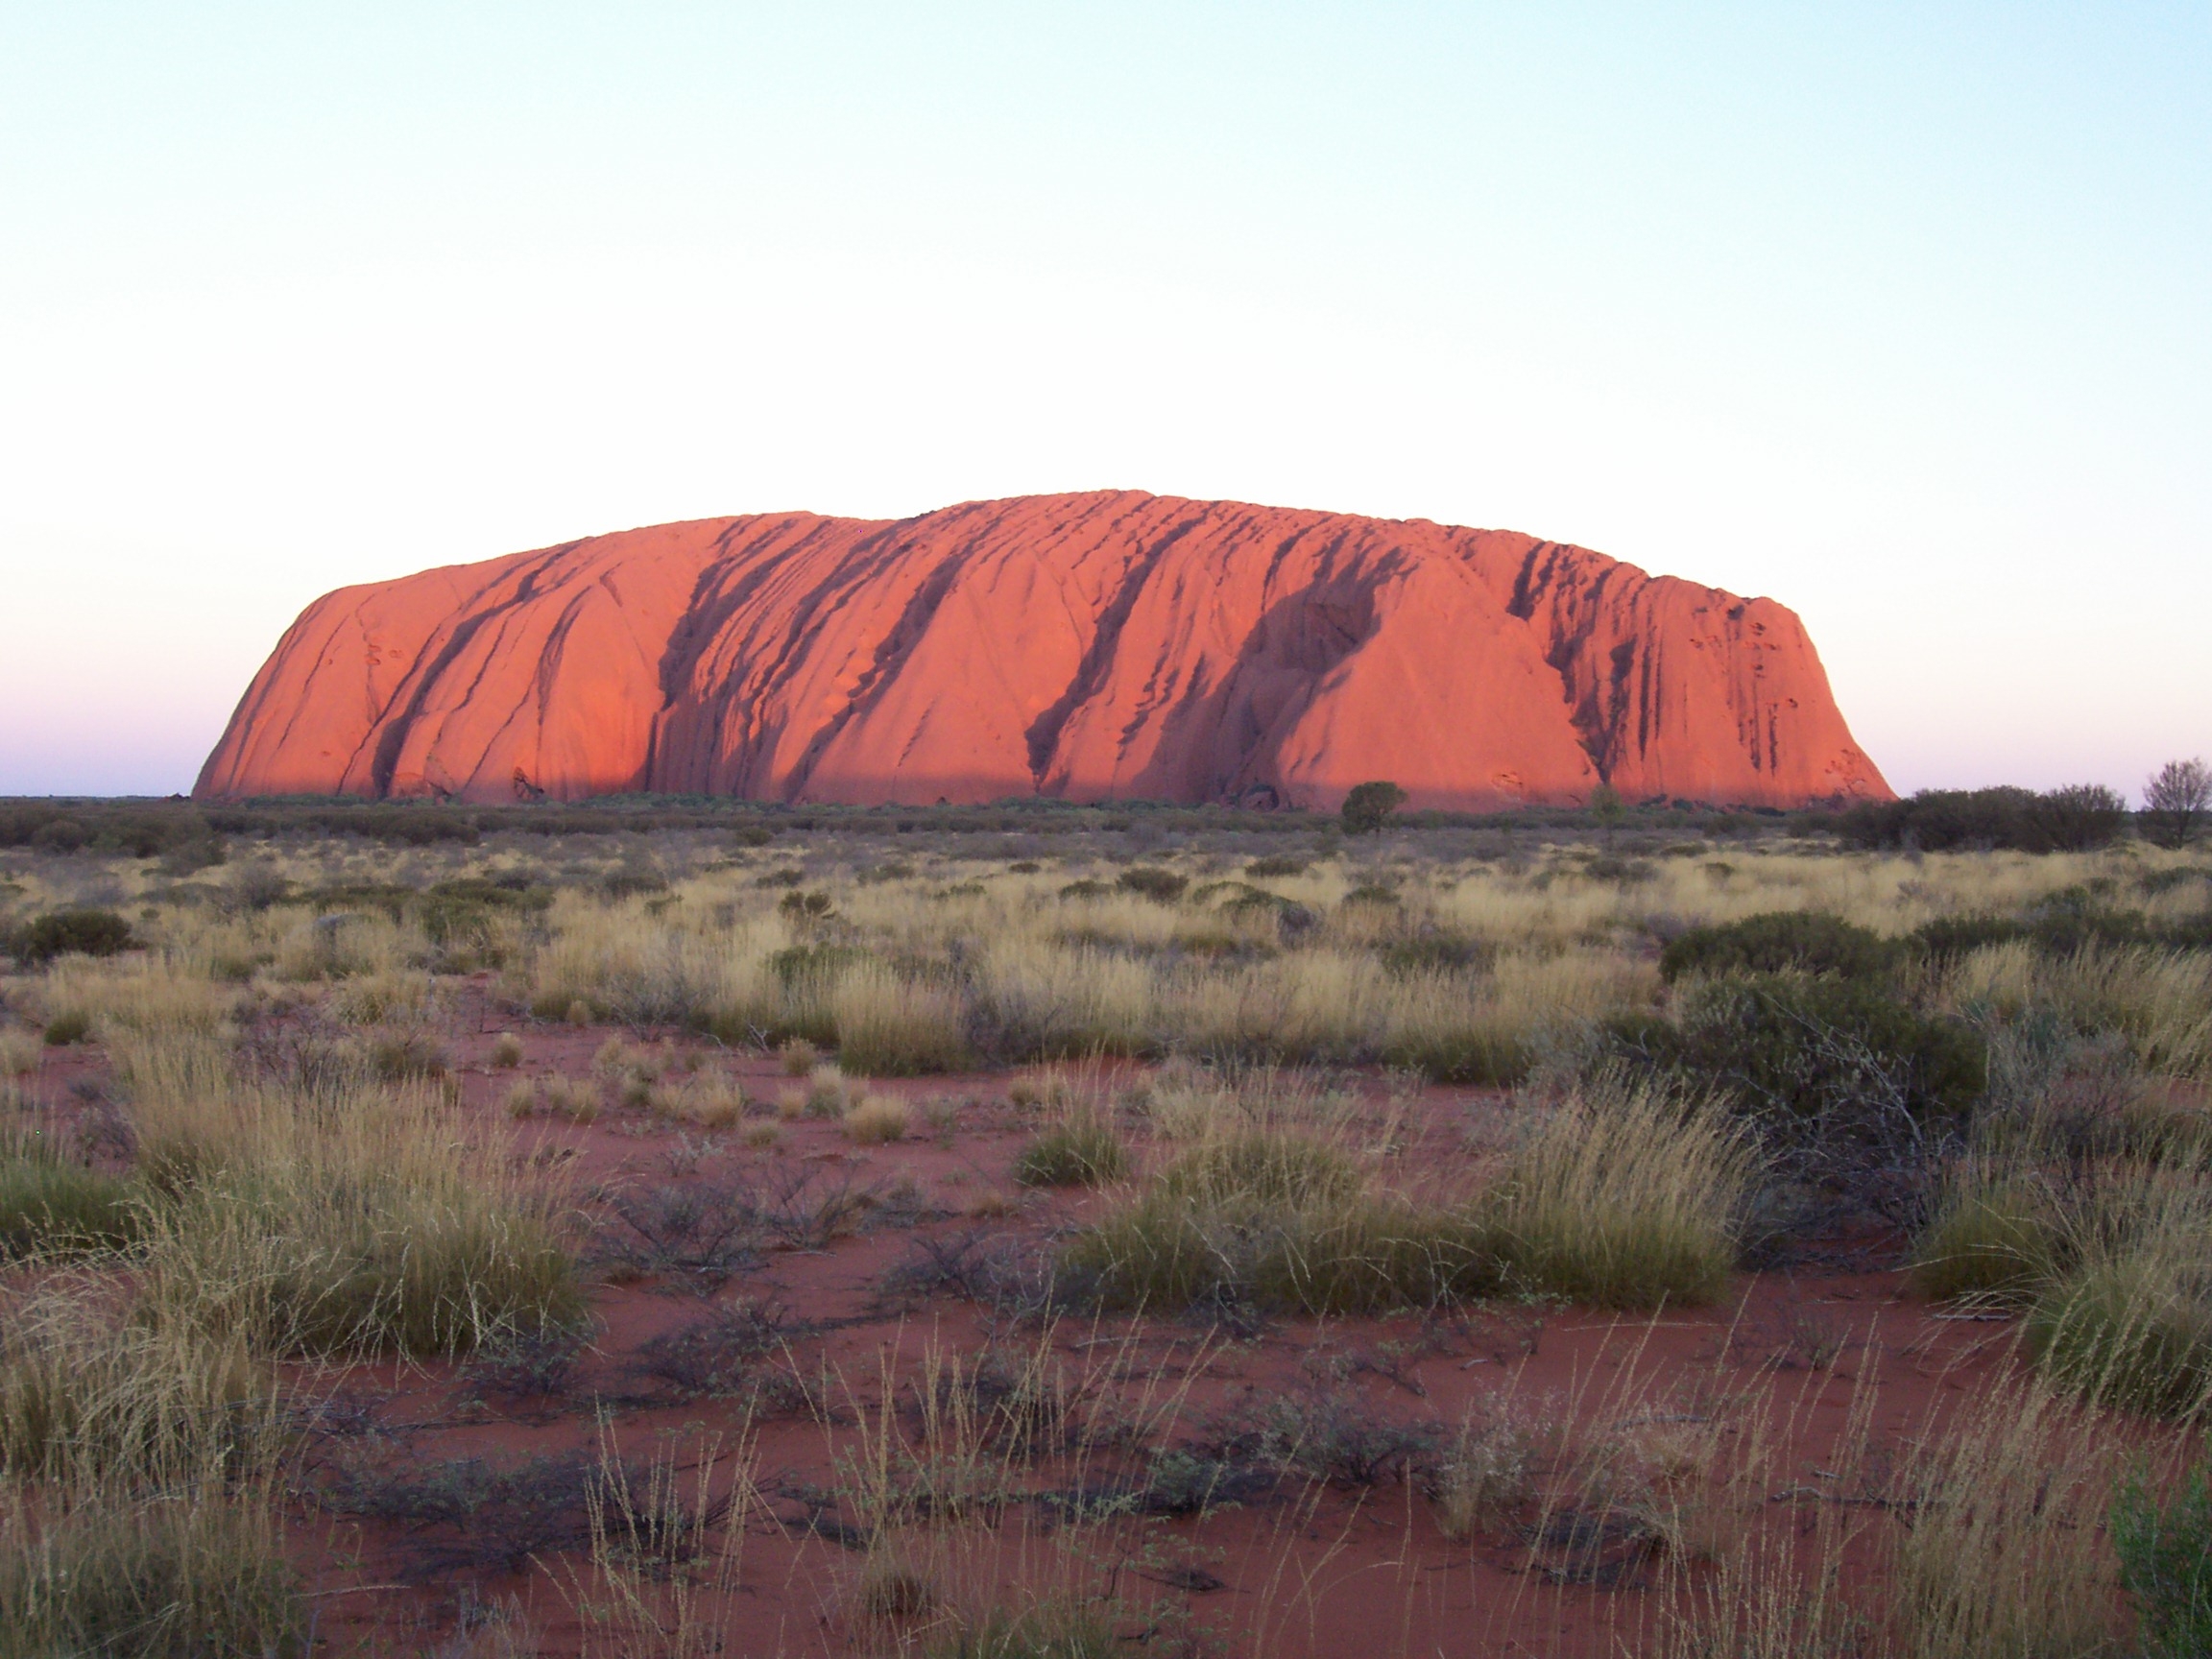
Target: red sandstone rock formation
[1114, 644]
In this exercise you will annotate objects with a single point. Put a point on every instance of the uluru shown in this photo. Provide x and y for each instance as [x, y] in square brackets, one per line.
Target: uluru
[1096, 646]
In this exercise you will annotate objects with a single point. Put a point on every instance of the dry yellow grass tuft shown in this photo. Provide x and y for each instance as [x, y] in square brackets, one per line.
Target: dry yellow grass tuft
[878, 1118]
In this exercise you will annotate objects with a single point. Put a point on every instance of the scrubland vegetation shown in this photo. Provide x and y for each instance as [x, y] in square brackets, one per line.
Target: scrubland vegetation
[657, 1230]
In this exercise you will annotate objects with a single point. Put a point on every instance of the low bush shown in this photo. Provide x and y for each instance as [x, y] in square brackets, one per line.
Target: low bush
[69, 1026]
[83, 931]
[356, 1220]
[1161, 886]
[100, 1392]
[1816, 1049]
[1780, 942]
[2077, 819]
[1274, 865]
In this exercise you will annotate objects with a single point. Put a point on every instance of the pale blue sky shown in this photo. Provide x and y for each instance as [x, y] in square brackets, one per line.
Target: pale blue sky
[1902, 314]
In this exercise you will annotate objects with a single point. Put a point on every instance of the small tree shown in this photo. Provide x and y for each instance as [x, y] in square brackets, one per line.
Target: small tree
[2174, 800]
[1605, 805]
[1369, 805]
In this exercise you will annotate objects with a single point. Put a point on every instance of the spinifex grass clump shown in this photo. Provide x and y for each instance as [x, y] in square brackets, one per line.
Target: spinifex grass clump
[1083, 1151]
[890, 1024]
[139, 1452]
[199, 1574]
[52, 1202]
[1626, 1196]
[2132, 1323]
[1276, 1218]
[2165, 1550]
[2003, 1555]
[331, 1214]
[1999, 1236]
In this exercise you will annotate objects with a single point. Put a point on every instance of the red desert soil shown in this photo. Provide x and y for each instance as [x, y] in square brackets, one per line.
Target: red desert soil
[1294, 1568]
[1112, 645]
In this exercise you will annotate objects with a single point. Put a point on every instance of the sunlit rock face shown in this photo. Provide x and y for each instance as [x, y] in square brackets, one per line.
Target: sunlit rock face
[1114, 646]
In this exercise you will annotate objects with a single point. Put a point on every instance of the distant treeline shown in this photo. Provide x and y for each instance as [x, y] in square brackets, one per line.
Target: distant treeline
[2070, 820]
[167, 827]
[191, 833]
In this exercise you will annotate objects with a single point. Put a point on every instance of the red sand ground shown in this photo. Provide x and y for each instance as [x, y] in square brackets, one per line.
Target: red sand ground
[1301, 1572]
[1115, 645]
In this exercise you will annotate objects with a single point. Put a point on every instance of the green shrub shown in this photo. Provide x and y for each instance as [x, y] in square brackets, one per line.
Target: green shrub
[82, 931]
[1085, 1152]
[1161, 886]
[816, 967]
[70, 1025]
[1274, 865]
[2075, 819]
[1437, 950]
[1815, 1048]
[1368, 807]
[1947, 938]
[2164, 1556]
[1373, 892]
[1780, 942]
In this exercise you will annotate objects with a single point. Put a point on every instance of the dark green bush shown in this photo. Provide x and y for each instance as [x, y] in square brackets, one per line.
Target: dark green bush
[1369, 805]
[1947, 938]
[803, 965]
[1802, 1048]
[60, 835]
[71, 1025]
[1274, 864]
[632, 881]
[2164, 1556]
[1780, 942]
[1372, 893]
[85, 932]
[2064, 923]
[1161, 886]
[2070, 820]
[1435, 950]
